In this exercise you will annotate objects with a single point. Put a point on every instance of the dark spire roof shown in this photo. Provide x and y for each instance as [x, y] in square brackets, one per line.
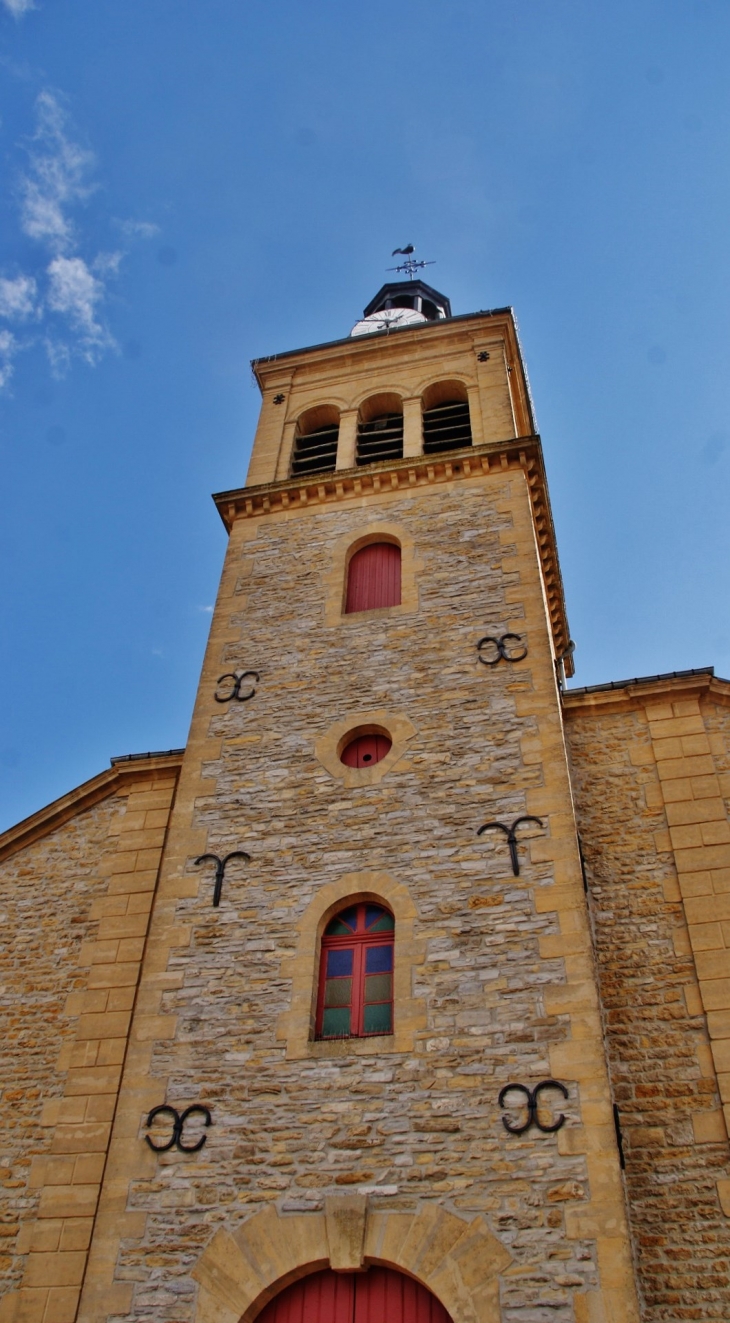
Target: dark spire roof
[410, 294]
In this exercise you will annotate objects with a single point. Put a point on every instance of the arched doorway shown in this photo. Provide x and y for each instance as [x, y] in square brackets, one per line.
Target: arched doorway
[379, 1295]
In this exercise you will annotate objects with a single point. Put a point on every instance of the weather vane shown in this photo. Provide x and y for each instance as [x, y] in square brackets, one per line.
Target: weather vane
[410, 266]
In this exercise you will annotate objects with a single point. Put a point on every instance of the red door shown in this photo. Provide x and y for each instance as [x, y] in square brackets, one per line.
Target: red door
[379, 1295]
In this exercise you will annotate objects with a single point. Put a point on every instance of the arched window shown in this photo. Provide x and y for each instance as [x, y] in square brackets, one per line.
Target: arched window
[446, 420]
[380, 429]
[373, 577]
[315, 442]
[356, 974]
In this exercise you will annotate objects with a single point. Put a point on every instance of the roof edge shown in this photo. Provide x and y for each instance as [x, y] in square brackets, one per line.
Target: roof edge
[358, 341]
[84, 796]
[616, 694]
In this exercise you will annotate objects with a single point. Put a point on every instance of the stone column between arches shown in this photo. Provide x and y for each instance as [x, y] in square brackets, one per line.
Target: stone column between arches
[459, 1260]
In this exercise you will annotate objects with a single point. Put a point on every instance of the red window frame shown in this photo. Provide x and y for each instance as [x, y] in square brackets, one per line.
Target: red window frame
[360, 941]
[374, 577]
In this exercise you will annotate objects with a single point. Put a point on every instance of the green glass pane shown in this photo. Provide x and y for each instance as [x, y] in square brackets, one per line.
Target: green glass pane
[338, 992]
[343, 924]
[378, 1019]
[384, 925]
[378, 920]
[336, 1024]
[378, 987]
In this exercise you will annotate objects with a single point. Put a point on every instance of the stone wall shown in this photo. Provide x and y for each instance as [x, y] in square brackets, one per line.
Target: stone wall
[661, 1065]
[77, 885]
[500, 966]
[48, 891]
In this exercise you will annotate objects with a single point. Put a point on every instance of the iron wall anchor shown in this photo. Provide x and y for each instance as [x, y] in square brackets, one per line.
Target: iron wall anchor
[238, 678]
[220, 869]
[178, 1126]
[503, 649]
[511, 838]
[531, 1103]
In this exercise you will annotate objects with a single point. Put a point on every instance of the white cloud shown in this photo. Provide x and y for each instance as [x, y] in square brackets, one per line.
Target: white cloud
[135, 229]
[66, 290]
[75, 292]
[107, 264]
[8, 349]
[18, 297]
[55, 179]
[59, 357]
[18, 7]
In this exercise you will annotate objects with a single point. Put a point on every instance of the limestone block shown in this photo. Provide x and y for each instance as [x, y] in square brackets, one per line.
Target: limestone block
[212, 1310]
[430, 1239]
[345, 1217]
[270, 1242]
[479, 1256]
[227, 1276]
[42, 1237]
[9, 1304]
[54, 1269]
[62, 1304]
[709, 1127]
[91, 1137]
[76, 1233]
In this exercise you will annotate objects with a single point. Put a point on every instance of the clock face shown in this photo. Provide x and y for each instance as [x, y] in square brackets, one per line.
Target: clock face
[387, 320]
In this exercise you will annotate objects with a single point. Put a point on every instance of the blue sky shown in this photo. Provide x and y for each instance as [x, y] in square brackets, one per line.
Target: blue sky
[190, 185]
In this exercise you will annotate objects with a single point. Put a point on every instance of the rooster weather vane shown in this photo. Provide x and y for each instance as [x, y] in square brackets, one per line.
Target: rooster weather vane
[411, 265]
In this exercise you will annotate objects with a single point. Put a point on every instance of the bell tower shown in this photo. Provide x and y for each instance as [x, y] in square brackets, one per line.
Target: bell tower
[369, 956]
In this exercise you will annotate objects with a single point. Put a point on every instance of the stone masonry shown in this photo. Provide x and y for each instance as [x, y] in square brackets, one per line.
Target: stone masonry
[661, 1062]
[125, 988]
[499, 955]
[77, 889]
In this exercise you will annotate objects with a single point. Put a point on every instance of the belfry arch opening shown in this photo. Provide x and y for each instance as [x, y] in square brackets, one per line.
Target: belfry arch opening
[380, 428]
[315, 441]
[373, 1296]
[446, 418]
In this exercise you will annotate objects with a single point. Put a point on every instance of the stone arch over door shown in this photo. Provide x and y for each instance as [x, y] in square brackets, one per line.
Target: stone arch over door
[458, 1260]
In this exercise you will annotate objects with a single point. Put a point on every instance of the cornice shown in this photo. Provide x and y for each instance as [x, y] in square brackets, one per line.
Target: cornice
[629, 695]
[109, 782]
[522, 453]
[359, 346]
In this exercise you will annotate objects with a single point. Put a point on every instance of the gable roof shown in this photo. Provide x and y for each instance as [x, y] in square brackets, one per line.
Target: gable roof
[123, 769]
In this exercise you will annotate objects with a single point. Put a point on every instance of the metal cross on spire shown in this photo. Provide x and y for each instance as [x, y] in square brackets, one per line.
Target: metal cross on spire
[410, 266]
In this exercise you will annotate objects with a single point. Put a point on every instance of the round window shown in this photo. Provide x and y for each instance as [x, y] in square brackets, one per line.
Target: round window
[365, 750]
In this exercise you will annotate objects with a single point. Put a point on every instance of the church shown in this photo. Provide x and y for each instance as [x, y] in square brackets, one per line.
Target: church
[401, 994]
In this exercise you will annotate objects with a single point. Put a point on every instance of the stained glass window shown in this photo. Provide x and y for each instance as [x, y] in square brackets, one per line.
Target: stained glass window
[356, 975]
